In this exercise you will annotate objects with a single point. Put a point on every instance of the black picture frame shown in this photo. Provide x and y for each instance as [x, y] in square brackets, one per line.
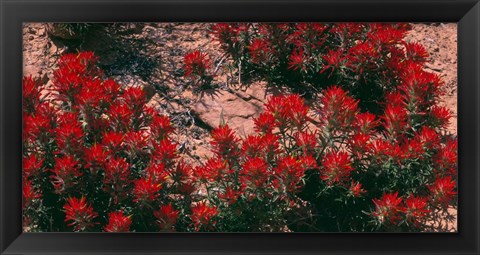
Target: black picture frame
[14, 12]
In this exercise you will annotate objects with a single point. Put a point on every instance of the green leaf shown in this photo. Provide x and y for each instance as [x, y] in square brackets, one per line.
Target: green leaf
[222, 119]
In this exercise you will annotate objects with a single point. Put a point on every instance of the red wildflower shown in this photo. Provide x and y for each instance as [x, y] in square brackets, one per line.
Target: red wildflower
[347, 30]
[161, 127]
[134, 97]
[117, 222]
[215, 169]
[334, 59]
[230, 195]
[308, 162]
[82, 63]
[297, 60]
[116, 170]
[290, 171]
[91, 94]
[260, 50]
[182, 172]
[203, 216]
[276, 106]
[338, 110]
[365, 122]
[95, 157]
[288, 111]
[196, 63]
[224, 142]
[395, 63]
[395, 99]
[165, 152]
[65, 171]
[120, 115]
[32, 166]
[116, 178]
[96, 124]
[145, 116]
[415, 208]
[446, 157]
[388, 208]
[136, 141]
[113, 140]
[68, 118]
[384, 35]
[336, 167]
[69, 133]
[67, 84]
[253, 145]
[73, 70]
[225, 33]
[264, 123]
[318, 27]
[31, 93]
[416, 52]
[395, 120]
[428, 137]
[146, 190]
[157, 173]
[30, 194]
[363, 55]
[359, 144]
[307, 33]
[48, 111]
[443, 190]
[382, 151]
[167, 217]
[440, 116]
[306, 141]
[413, 149]
[111, 89]
[272, 145]
[418, 86]
[297, 37]
[187, 188]
[299, 111]
[356, 189]
[254, 172]
[36, 127]
[79, 213]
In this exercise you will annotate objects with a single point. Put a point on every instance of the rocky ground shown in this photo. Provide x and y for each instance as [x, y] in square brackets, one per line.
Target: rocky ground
[150, 55]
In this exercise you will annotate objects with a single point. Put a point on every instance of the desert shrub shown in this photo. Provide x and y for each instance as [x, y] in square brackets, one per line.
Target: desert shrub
[96, 157]
[196, 67]
[331, 167]
[367, 60]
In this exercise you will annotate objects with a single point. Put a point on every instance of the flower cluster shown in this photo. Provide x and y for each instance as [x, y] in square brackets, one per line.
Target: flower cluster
[367, 59]
[97, 157]
[196, 65]
[332, 158]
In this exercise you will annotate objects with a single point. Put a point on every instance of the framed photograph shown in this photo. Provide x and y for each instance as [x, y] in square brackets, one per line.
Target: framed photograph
[252, 127]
